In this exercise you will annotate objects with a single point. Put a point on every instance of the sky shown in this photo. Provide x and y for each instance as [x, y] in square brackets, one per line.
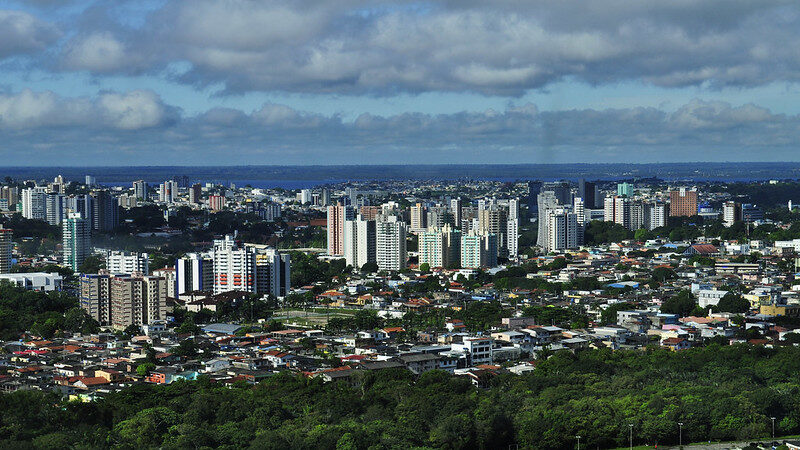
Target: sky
[232, 82]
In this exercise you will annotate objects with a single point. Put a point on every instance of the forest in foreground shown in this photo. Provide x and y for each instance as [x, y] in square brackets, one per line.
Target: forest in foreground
[717, 392]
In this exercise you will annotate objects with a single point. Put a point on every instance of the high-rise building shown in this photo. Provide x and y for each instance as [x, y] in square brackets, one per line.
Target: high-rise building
[234, 266]
[137, 300]
[105, 211]
[325, 197]
[194, 272]
[562, 230]
[273, 273]
[95, 296]
[127, 262]
[140, 189]
[168, 191]
[6, 245]
[547, 200]
[440, 247]
[369, 212]
[478, 250]
[54, 208]
[269, 211]
[337, 215]
[617, 209]
[195, 194]
[561, 190]
[77, 240]
[359, 241]
[9, 197]
[216, 202]
[455, 208]
[90, 181]
[624, 190]
[390, 242]
[587, 190]
[34, 203]
[305, 196]
[751, 213]
[168, 274]
[731, 212]
[683, 203]
[655, 215]
[419, 218]
[83, 204]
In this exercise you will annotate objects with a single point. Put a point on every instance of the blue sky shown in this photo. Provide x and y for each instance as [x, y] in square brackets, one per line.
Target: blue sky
[307, 81]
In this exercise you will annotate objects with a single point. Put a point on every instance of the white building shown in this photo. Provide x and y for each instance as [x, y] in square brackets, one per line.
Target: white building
[34, 203]
[709, 297]
[35, 281]
[194, 272]
[359, 242]
[127, 262]
[477, 349]
[562, 230]
[168, 274]
[76, 233]
[234, 266]
[390, 243]
[440, 247]
[478, 250]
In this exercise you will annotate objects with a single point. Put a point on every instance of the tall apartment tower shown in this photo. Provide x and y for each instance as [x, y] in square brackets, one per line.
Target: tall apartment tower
[478, 250]
[77, 240]
[34, 203]
[359, 241]
[140, 189]
[105, 211]
[273, 273]
[137, 300]
[440, 247]
[337, 215]
[95, 296]
[195, 193]
[127, 262]
[194, 272]
[6, 244]
[419, 218]
[234, 266]
[655, 215]
[390, 243]
[731, 212]
[546, 201]
[683, 203]
[455, 208]
[562, 229]
[168, 191]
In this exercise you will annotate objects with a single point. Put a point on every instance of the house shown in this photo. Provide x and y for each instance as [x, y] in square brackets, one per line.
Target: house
[675, 343]
[420, 363]
[278, 358]
[215, 365]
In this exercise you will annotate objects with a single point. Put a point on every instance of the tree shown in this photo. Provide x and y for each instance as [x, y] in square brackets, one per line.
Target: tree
[682, 304]
[425, 268]
[609, 315]
[733, 303]
[370, 267]
[641, 235]
[92, 264]
[144, 369]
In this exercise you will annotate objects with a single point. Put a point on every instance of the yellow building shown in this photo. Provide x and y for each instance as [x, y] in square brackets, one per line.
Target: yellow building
[780, 310]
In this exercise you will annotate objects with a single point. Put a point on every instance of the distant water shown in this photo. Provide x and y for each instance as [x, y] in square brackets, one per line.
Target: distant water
[296, 177]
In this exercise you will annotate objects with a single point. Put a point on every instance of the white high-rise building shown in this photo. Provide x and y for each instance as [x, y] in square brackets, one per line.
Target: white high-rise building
[546, 201]
[140, 189]
[617, 209]
[127, 262]
[390, 242]
[359, 242]
[455, 209]
[562, 230]
[419, 218]
[273, 273]
[305, 196]
[234, 266]
[655, 215]
[337, 216]
[194, 272]
[76, 233]
[168, 191]
[54, 208]
[731, 212]
[34, 203]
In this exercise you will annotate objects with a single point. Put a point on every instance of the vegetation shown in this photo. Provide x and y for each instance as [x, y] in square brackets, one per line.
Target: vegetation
[718, 393]
[42, 313]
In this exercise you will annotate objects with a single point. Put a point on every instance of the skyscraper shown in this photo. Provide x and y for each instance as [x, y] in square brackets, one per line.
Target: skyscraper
[546, 201]
[478, 250]
[195, 193]
[168, 191]
[359, 241]
[194, 272]
[337, 215]
[105, 211]
[234, 266]
[390, 242]
[34, 203]
[624, 189]
[137, 300]
[587, 190]
[127, 262]
[455, 209]
[440, 247]
[6, 244]
[512, 229]
[77, 240]
[54, 208]
[562, 229]
[216, 202]
[419, 218]
[140, 189]
[683, 203]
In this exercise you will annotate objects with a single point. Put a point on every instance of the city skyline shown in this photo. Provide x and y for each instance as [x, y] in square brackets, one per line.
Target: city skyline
[273, 82]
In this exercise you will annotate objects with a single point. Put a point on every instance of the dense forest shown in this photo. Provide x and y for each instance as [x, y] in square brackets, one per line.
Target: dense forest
[716, 392]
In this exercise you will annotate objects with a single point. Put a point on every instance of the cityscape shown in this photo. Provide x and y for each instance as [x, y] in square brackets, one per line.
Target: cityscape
[369, 225]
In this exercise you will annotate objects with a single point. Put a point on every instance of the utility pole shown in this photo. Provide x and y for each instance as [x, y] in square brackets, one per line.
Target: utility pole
[680, 434]
[773, 427]
[579, 441]
[630, 427]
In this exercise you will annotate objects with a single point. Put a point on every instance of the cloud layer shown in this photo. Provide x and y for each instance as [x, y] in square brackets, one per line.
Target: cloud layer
[503, 47]
[137, 126]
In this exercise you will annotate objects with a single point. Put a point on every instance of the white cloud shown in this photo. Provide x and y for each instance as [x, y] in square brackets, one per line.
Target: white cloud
[23, 33]
[97, 52]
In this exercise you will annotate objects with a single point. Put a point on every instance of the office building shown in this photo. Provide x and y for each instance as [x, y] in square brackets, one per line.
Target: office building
[478, 250]
[168, 191]
[194, 272]
[390, 242]
[751, 213]
[683, 203]
[195, 194]
[359, 242]
[337, 215]
[6, 246]
[54, 208]
[140, 189]
[440, 247]
[77, 240]
[587, 190]
[127, 262]
[655, 215]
